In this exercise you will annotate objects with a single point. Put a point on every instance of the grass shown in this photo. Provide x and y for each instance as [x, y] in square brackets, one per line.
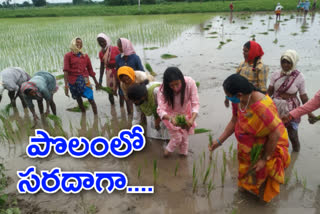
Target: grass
[151, 48]
[181, 120]
[86, 105]
[168, 56]
[60, 77]
[176, 169]
[149, 68]
[201, 130]
[155, 171]
[107, 89]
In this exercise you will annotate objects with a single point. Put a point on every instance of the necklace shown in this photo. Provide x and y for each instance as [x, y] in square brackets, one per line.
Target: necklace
[243, 110]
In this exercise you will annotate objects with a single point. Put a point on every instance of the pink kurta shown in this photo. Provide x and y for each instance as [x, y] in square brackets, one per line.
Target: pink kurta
[179, 136]
[308, 107]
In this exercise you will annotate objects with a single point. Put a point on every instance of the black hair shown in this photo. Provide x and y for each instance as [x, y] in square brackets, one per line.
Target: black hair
[27, 91]
[236, 83]
[137, 91]
[255, 60]
[172, 74]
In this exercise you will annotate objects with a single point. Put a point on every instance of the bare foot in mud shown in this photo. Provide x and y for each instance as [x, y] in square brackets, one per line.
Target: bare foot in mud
[166, 153]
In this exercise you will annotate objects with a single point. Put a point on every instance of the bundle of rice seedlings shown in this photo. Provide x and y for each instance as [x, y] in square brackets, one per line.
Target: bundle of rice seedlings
[149, 68]
[86, 105]
[107, 89]
[181, 120]
[201, 130]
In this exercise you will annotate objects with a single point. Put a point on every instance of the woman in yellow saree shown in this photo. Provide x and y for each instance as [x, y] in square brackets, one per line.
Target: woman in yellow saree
[256, 124]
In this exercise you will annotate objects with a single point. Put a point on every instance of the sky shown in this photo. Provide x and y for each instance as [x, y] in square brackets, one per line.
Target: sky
[49, 1]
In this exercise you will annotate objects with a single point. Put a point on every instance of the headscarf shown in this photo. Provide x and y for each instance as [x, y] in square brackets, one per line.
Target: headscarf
[1, 88]
[292, 57]
[126, 70]
[107, 55]
[255, 50]
[127, 47]
[73, 46]
[30, 85]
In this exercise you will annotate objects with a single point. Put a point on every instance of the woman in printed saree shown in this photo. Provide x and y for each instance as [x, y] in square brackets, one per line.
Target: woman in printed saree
[178, 95]
[144, 96]
[41, 86]
[77, 69]
[262, 138]
[252, 67]
[284, 87]
[127, 77]
[11, 79]
[107, 57]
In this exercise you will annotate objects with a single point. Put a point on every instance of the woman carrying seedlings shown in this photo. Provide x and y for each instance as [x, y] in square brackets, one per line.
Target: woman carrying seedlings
[144, 96]
[127, 77]
[284, 87]
[127, 57]
[307, 108]
[178, 98]
[107, 57]
[257, 126]
[41, 86]
[77, 69]
[11, 79]
[252, 68]
[277, 11]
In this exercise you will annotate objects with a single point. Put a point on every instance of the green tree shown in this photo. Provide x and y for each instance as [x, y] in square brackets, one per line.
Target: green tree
[39, 3]
[77, 1]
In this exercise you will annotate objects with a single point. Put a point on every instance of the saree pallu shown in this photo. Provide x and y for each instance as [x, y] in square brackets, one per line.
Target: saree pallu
[253, 127]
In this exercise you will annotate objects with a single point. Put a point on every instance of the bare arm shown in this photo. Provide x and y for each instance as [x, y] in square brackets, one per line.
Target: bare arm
[101, 72]
[270, 90]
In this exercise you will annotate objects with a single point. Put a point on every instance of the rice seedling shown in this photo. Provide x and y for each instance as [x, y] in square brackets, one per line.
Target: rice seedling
[212, 37]
[275, 41]
[194, 171]
[149, 68]
[229, 40]
[233, 21]
[86, 105]
[210, 188]
[54, 118]
[296, 176]
[222, 174]
[198, 84]
[176, 169]
[70, 128]
[206, 174]
[221, 44]
[139, 171]
[194, 185]
[201, 130]
[209, 25]
[107, 89]
[215, 32]
[155, 171]
[264, 33]
[234, 155]
[282, 46]
[294, 34]
[304, 183]
[292, 17]
[234, 211]
[60, 77]
[210, 144]
[150, 48]
[181, 120]
[230, 148]
[224, 159]
[270, 17]
[250, 23]
[7, 109]
[286, 20]
[168, 56]
[243, 27]
[271, 30]
[286, 180]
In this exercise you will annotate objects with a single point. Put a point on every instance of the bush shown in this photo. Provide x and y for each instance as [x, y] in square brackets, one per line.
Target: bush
[39, 3]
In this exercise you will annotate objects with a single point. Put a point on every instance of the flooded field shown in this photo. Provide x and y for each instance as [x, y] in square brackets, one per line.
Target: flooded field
[208, 48]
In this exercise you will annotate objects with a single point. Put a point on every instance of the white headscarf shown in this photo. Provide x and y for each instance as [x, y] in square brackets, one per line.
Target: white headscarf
[292, 57]
[106, 38]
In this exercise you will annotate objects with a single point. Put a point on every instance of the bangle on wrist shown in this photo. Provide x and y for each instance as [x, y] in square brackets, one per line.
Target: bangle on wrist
[219, 142]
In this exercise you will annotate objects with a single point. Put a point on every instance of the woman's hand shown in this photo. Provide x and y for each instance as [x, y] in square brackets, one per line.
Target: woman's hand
[312, 118]
[214, 145]
[66, 91]
[173, 121]
[226, 103]
[287, 118]
[189, 123]
[260, 165]
[157, 123]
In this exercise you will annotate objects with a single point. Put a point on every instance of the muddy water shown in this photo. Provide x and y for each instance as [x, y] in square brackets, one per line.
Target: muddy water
[199, 57]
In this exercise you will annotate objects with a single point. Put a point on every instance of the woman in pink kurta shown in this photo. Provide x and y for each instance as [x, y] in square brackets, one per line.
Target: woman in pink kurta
[177, 95]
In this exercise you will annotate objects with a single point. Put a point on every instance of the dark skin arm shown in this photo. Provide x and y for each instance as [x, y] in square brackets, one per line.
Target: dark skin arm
[270, 91]
[101, 72]
[66, 87]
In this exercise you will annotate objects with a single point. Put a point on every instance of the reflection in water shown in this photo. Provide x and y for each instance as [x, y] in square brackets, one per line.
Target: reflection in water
[231, 18]
[276, 26]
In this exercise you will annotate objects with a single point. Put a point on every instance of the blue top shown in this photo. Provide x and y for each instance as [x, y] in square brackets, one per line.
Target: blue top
[133, 61]
[306, 5]
[46, 84]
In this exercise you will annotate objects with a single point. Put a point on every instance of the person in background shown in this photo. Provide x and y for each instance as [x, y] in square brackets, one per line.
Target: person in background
[278, 11]
[178, 95]
[256, 124]
[306, 7]
[144, 96]
[11, 79]
[284, 87]
[314, 5]
[310, 106]
[41, 86]
[77, 69]
[127, 57]
[107, 57]
[231, 7]
[252, 68]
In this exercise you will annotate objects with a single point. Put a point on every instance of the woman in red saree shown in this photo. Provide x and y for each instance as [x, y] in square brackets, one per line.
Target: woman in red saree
[255, 122]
